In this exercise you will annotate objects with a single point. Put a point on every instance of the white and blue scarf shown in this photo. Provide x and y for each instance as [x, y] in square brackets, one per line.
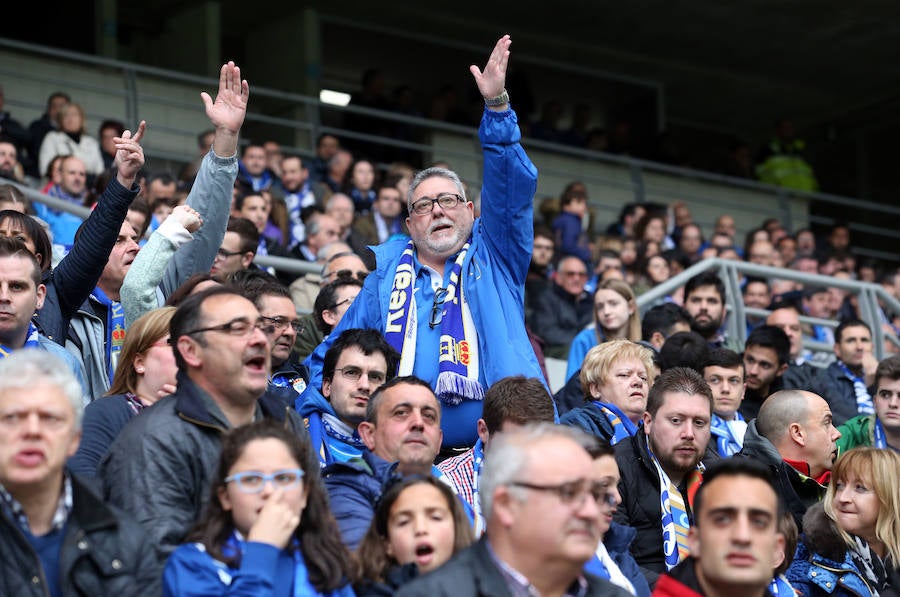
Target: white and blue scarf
[622, 426]
[31, 341]
[458, 358]
[115, 329]
[727, 442]
[864, 404]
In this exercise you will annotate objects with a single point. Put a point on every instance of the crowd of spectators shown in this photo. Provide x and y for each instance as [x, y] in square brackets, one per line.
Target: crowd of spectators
[176, 419]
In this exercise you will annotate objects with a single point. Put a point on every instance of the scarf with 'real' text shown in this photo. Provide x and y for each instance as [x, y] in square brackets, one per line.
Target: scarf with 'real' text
[458, 355]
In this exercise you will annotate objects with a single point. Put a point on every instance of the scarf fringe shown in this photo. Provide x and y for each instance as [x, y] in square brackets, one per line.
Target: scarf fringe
[452, 388]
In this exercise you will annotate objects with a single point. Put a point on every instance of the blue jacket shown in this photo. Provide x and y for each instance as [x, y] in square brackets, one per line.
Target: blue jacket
[617, 541]
[353, 488]
[264, 571]
[570, 237]
[590, 419]
[311, 410]
[103, 419]
[493, 279]
[581, 344]
[822, 564]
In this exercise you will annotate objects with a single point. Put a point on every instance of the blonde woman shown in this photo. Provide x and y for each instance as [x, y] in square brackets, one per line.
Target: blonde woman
[71, 139]
[616, 379]
[851, 540]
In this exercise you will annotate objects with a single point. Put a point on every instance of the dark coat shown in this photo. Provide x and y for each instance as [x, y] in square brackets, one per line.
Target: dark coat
[160, 467]
[104, 552]
[681, 581]
[798, 493]
[472, 573]
[103, 419]
[353, 488]
[640, 507]
[837, 390]
[559, 316]
[589, 418]
[396, 577]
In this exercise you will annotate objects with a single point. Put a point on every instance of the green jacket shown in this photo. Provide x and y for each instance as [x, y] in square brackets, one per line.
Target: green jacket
[858, 431]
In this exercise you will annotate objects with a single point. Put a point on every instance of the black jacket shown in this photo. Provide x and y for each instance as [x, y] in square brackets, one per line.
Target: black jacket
[104, 552]
[798, 493]
[559, 316]
[161, 465]
[837, 390]
[472, 573]
[640, 507]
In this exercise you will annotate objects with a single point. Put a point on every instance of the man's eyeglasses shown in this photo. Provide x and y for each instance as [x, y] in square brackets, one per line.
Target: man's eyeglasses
[425, 205]
[349, 299]
[279, 323]
[346, 273]
[573, 493]
[223, 254]
[437, 311]
[253, 482]
[237, 327]
[353, 373]
[573, 274]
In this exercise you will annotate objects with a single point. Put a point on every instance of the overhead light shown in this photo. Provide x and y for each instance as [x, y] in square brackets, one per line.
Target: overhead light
[335, 98]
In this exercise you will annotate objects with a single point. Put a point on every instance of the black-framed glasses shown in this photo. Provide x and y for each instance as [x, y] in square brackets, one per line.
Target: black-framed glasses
[349, 299]
[354, 373]
[573, 493]
[254, 481]
[349, 274]
[424, 205]
[279, 323]
[437, 310]
[237, 327]
[223, 254]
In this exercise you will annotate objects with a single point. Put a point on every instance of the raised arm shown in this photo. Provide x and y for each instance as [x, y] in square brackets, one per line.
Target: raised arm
[510, 179]
[491, 81]
[76, 275]
[211, 192]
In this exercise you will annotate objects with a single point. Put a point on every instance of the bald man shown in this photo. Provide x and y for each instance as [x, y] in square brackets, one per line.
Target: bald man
[794, 435]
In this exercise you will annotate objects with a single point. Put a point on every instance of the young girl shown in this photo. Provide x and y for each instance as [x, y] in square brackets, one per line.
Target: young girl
[267, 530]
[419, 524]
[616, 316]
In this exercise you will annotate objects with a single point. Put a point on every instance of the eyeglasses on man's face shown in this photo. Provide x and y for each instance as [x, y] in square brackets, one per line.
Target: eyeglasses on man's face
[425, 205]
[573, 493]
[354, 373]
[346, 273]
[223, 254]
[240, 327]
[254, 482]
[280, 323]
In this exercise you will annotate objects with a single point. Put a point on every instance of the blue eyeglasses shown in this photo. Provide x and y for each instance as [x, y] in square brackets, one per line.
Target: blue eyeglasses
[254, 481]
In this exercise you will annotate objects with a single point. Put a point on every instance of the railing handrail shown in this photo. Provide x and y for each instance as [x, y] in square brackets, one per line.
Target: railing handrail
[868, 295]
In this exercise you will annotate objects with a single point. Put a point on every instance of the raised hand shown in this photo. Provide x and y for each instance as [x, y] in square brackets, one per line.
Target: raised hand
[228, 110]
[129, 155]
[275, 523]
[492, 80]
[187, 217]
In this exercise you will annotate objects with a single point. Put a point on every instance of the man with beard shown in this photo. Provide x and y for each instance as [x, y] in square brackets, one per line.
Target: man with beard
[661, 469]
[766, 355]
[704, 299]
[9, 161]
[450, 300]
[794, 435]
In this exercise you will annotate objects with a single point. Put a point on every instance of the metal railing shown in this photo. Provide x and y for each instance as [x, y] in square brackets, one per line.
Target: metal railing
[642, 182]
[872, 299]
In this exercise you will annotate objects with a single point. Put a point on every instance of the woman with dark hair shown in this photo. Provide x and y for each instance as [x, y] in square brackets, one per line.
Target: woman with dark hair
[419, 524]
[359, 185]
[267, 529]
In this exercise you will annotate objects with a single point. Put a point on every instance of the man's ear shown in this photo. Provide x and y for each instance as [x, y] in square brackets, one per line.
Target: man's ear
[797, 433]
[781, 370]
[187, 347]
[367, 434]
[483, 435]
[693, 541]
[247, 259]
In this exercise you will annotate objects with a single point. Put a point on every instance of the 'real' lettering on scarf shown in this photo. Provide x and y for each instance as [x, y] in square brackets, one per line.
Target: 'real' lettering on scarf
[458, 360]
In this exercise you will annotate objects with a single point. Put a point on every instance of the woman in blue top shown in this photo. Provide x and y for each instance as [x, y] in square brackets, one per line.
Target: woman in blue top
[267, 530]
[616, 316]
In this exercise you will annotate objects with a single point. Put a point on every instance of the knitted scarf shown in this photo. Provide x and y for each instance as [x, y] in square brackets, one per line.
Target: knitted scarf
[727, 442]
[864, 405]
[115, 329]
[458, 354]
